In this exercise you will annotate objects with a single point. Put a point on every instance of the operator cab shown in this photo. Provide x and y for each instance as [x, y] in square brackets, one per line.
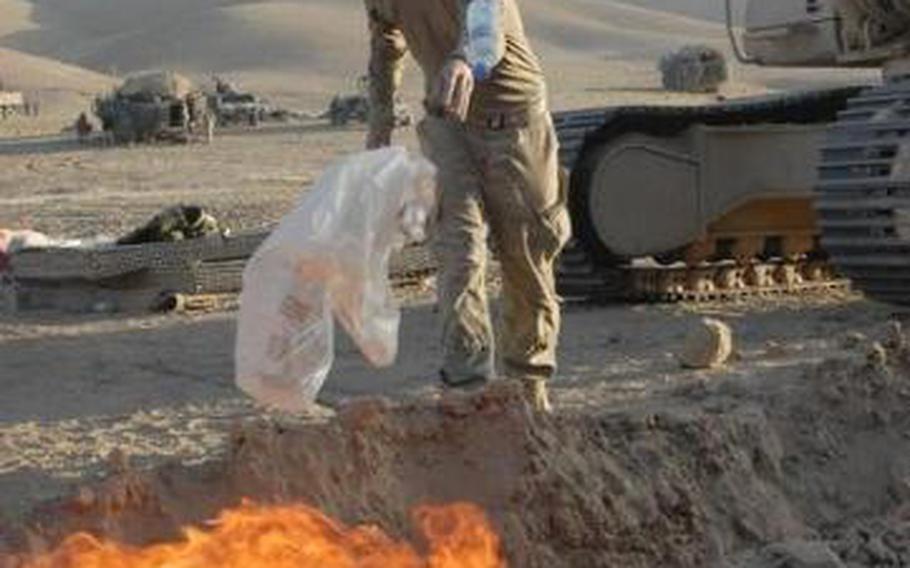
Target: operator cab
[792, 33]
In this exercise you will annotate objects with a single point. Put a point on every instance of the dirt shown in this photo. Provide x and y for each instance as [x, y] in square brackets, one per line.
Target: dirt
[714, 472]
[247, 179]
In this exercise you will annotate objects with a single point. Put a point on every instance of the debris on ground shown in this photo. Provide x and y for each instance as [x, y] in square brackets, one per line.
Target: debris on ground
[177, 223]
[156, 105]
[708, 345]
[853, 340]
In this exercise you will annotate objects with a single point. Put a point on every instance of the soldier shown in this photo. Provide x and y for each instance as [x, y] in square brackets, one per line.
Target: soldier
[83, 128]
[494, 145]
[208, 123]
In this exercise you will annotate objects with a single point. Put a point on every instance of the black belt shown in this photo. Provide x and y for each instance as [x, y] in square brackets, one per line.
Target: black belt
[498, 120]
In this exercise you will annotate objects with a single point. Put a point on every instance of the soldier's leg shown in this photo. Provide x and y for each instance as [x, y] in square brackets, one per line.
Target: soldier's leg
[527, 212]
[460, 244]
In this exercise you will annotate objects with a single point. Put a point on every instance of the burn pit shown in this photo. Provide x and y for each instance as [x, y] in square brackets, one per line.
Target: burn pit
[700, 475]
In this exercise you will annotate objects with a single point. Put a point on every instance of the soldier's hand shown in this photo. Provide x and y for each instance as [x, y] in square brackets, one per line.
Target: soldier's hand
[451, 94]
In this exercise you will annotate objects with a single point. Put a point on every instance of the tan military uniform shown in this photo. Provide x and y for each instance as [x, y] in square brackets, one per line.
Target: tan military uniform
[498, 170]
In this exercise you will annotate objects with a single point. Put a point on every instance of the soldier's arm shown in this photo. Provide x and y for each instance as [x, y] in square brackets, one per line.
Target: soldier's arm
[387, 51]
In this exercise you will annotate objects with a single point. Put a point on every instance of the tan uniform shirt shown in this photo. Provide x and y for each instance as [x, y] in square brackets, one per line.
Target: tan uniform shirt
[432, 31]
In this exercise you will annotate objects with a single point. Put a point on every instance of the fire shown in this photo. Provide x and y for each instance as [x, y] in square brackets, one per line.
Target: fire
[296, 536]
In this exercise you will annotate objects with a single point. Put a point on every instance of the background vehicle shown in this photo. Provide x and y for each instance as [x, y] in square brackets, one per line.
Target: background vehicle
[159, 105]
[11, 102]
[345, 108]
[233, 106]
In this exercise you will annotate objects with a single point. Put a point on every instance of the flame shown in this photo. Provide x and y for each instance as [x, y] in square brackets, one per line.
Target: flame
[297, 536]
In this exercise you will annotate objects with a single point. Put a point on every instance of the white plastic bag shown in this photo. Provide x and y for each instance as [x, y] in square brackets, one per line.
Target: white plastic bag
[330, 256]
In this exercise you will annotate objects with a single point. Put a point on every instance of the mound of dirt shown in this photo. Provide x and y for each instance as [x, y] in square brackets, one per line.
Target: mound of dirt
[809, 470]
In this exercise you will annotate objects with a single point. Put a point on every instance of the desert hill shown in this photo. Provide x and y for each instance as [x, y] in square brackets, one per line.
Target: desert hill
[218, 35]
[25, 72]
[61, 90]
[311, 45]
[301, 51]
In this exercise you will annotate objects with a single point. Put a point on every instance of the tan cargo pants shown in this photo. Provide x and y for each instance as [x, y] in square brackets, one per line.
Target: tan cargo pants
[505, 182]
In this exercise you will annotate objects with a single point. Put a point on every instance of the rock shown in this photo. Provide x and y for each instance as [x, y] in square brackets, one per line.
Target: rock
[853, 340]
[797, 554]
[894, 339]
[775, 350]
[707, 346]
[877, 356]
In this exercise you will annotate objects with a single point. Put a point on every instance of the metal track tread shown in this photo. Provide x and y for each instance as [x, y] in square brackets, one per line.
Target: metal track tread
[580, 279]
[578, 129]
[864, 193]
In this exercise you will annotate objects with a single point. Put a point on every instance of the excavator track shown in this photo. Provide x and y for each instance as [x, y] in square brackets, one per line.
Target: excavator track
[647, 281]
[864, 192]
[588, 271]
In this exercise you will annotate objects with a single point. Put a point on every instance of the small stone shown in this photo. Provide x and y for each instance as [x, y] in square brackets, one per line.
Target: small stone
[877, 356]
[708, 345]
[85, 498]
[853, 340]
[894, 338]
[103, 307]
[775, 350]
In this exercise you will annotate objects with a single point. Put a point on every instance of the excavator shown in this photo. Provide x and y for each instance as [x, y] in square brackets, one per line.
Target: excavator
[765, 195]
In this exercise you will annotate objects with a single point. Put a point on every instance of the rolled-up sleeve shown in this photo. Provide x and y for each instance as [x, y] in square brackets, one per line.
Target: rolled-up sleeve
[387, 50]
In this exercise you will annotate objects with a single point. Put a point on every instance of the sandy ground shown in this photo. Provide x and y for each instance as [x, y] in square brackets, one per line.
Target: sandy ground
[161, 388]
[59, 187]
[642, 462]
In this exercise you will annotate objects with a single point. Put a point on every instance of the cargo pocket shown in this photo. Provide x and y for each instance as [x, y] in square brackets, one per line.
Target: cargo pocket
[532, 167]
[431, 136]
[555, 223]
[423, 136]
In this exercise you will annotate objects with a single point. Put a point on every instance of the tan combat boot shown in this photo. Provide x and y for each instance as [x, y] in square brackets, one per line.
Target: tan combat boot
[538, 394]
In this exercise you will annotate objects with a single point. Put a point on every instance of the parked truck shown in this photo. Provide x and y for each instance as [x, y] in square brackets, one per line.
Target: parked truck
[11, 102]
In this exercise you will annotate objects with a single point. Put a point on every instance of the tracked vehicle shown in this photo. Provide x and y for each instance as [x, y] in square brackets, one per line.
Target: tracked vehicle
[11, 102]
[233, 106]
[355, 107]
[157, 105]
[756, 195]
